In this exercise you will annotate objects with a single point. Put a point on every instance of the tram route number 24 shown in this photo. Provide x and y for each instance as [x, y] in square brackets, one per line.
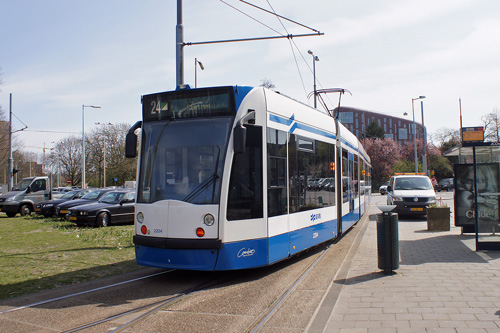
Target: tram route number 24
[158, 106]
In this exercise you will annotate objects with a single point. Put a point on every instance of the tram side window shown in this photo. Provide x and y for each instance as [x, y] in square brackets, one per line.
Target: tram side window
[355, 177]
[245, 198]
[276, 175]
[345, 176]
[311, 177]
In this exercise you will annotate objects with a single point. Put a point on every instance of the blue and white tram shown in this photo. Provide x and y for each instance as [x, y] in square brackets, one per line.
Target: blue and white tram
[241, 177]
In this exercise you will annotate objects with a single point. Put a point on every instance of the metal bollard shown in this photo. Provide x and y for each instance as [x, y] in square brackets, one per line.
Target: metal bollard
[387, 240]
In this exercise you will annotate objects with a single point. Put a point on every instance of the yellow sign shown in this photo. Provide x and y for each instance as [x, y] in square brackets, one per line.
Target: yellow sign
[472, 134]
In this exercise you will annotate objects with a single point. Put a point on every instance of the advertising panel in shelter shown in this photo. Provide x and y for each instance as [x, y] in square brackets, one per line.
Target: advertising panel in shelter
[487, 200]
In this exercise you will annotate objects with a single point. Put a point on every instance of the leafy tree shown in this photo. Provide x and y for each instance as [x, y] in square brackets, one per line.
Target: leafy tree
[374, 130]
[441, 166]
[405, 165]
[383, 154]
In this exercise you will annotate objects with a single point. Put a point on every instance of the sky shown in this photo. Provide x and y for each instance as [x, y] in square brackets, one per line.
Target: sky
[57, 55]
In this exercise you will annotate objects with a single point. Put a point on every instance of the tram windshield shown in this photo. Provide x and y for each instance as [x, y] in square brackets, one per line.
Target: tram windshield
[183, 159]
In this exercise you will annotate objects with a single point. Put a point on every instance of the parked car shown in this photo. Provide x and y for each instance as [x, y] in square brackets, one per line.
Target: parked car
[114, 207]
[62, 209]
[445, 184]
[59, 191]
[48, 208]
[383, 188]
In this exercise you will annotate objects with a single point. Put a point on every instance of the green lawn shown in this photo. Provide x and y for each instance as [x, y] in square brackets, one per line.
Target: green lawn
[38, 253]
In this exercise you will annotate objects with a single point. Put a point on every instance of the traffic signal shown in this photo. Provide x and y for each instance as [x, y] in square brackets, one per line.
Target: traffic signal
[14, 171]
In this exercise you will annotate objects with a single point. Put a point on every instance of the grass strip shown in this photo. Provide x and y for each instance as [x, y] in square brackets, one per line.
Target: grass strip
[39, 253]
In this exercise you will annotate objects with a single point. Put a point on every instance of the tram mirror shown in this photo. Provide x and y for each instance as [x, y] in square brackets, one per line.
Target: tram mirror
[239, 139]
[131, 145]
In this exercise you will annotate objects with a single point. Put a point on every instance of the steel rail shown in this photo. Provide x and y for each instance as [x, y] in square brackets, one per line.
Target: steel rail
[82, 292]
[266, 315]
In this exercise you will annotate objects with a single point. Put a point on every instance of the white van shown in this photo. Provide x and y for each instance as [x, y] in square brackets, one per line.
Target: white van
[411, 193]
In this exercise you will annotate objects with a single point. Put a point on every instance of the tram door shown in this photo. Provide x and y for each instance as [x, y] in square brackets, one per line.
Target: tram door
[348, 196]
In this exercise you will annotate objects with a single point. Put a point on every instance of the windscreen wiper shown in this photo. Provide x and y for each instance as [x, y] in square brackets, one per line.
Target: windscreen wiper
[209, 181]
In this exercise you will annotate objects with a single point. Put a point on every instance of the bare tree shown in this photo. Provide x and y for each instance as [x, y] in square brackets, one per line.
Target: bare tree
[266, 83]
[67, 155]
[110, 140]
[491, 123]
[445, 138]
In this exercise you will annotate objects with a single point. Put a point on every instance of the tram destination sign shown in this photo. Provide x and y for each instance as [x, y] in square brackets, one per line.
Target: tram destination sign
[473, 134]
[188, 103]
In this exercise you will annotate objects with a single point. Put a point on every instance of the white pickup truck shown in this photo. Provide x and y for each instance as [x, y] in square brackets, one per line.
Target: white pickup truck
[25, 195]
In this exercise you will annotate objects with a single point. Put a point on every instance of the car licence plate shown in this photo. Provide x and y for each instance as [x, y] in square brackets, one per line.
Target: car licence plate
[37, 209]
[72, 218]
[417, 209]
[64, 211]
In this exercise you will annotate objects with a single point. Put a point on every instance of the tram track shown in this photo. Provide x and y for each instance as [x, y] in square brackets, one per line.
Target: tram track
[264, 299]
[264, 317]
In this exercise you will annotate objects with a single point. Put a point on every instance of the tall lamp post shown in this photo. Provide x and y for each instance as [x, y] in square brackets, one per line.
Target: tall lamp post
[83, 140]
[424, 154]
[415, 130]
[315, 58]
[196, 63]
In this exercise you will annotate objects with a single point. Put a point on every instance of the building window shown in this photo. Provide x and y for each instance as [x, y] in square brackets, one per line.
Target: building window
[346, 117]
[403, 134]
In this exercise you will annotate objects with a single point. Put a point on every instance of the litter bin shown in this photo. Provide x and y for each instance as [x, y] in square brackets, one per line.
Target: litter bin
[387, 240]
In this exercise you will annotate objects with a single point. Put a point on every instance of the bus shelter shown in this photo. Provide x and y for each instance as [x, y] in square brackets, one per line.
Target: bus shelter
[477, 191]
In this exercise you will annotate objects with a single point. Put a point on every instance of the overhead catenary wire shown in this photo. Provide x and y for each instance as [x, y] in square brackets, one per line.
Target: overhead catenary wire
[291, 41]
[288, 36]
[291, 46]
[253, 18]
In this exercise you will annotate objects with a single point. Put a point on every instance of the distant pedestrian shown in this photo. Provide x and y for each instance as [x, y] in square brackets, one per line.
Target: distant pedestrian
[434, 182]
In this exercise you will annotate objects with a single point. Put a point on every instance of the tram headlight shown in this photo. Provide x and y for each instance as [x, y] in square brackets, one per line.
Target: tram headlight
[208, 219]
[140, 217]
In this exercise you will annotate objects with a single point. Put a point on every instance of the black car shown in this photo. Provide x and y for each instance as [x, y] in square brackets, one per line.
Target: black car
[114, 207]
[445, 184]
[62, 209]
[48, 208]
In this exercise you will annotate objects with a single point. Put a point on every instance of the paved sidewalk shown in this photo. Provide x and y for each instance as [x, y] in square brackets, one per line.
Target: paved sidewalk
[442, 285]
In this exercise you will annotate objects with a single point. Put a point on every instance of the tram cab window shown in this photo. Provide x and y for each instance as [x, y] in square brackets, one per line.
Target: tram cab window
[245, 197]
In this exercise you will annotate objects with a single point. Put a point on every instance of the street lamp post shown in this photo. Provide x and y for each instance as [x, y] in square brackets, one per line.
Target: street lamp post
[83, 140]
[424, 154]
[315, 58]
[196, 62]
[415, 131]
